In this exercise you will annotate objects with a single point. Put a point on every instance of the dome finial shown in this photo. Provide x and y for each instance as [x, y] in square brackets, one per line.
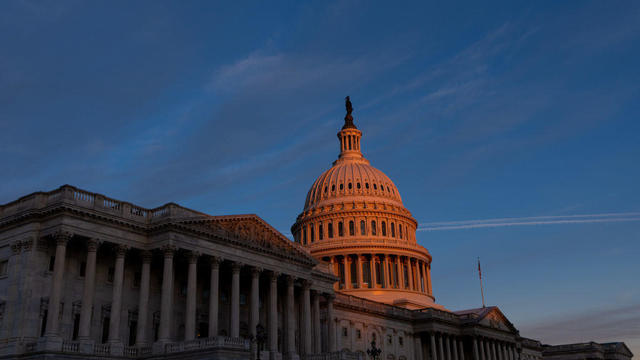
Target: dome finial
[348, 119]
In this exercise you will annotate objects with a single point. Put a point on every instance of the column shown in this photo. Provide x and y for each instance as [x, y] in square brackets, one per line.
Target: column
[372, 268]
[254, 316]
[483, 355]
[190, 313]
[235, 300]
[116, 301]
[332, 266]
[410, 274]
[88, 291]
[400, 272]
[461, 349]
[347, 271]
[273, 313]
[418, 347]
[385, 271]
[317, 331]
[61, 239]
[290, 343]
[502, 352]
[454, 344]
[143, 305]
[432, 339]
[166, 301]
[306, 317]
[440, 350]
[214, 295]
[429, 279]
[476, 356]
[331, 322]
[494, 353]
[447, 344]
[359, 271]
[514, 354]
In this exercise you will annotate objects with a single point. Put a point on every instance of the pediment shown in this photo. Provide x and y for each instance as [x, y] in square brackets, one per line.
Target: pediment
[494, 318]
[252, 231]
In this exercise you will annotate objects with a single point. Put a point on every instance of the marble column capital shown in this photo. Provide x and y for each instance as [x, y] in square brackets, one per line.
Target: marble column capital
[146, 256]
[306, 284]
[255, 271]
[193, 256]
[121, 250]
[27, 244]
[16, 247]
[215, 262]
[168, 250]
[236, 266]
[93, 244]
[62, 237]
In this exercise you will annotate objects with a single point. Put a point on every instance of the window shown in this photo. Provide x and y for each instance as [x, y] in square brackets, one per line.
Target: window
[76, 326]
[400, 341]
[358, 185]
[366, 185]
[400, 231]
[52, 262]
[363, 229]
[345, 332]
[136, 279]
[393, 230]
[388, 189]
[313, 238]
[390, 339]
[333, 187]
[320, 232]
[111, 274]
[325, 189]
[350, 186]
[384, 229]
[83, 269]
[304, 235]
[340, 229]
[381, 187]
[352, 230]
[375, 187]
[4, 267]
[243, 299]
[358, 334]
[330, 230]
[341, 186]
[373, 227]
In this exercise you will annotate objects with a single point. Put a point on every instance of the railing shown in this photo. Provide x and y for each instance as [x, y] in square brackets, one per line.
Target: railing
[101, 349]
[208, 343]
[337, 355]
[70, 346]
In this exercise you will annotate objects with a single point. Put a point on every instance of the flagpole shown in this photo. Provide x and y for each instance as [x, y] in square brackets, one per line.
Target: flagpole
[481, 288]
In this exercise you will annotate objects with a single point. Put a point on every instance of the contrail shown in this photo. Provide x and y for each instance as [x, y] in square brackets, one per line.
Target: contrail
[531, 220]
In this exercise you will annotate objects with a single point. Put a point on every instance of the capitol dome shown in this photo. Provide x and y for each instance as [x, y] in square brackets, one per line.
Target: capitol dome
[354, 219]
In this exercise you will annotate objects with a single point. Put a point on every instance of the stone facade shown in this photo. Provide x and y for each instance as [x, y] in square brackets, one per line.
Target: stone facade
[84, 276]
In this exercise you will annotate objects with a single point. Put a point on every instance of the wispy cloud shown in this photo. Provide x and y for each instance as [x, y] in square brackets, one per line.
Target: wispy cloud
[530, 220]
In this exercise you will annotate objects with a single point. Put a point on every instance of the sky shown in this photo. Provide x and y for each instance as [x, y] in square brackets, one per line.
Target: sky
[511, 129]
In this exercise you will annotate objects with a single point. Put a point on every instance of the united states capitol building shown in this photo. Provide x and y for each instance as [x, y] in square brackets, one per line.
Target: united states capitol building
[85, 276]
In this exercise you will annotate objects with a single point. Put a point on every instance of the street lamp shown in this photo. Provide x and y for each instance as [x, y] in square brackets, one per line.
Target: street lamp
[374, 352]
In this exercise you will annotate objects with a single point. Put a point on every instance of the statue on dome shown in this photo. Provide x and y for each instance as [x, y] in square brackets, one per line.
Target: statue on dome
[348, 120]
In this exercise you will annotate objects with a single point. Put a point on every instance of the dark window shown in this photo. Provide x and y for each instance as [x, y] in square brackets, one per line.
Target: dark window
[405, 271]
[76, 326]
[320, 232]
[344, 331]
[313, 238]
[366, 185]
[340, 229]
[330, 230]
[133, 328]
[388, 189]
[373, 227]
[105, 329]
[352, 230]
[358, 185]
[375, 187]
[400, 231]
[350, 186]
[363, 229]
[136, 279]
[304, 235]
[400, 341]
[325, 189]
[354, 274]
[341, 186]
[358, 334]
[378, 273]
[83, 269]
[393, 230]
[43, 324]
[110, 274]
[382, 187]
[52, 262]
[384, 229]
[333, 187]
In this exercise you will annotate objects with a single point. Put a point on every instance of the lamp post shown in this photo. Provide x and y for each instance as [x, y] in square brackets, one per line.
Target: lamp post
[374, 352]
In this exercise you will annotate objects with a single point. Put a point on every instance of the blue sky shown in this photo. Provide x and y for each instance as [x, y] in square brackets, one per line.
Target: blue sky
[477, 111]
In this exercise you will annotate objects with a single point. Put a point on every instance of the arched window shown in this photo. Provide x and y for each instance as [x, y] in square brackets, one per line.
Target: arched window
[350, 186]
[393, 230]
[340, 229]
[320, 232]
[352, 230]
[373, 227]
[333, 187]
[388, 189]
[330, 230]
[384, 229]
[400, 230]
[366, 185]
[325, 189]
[341, 186]
[358, 185]
[381, 187]
[375, 187]
[304, 235]
[312, 234]
[363, 230]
